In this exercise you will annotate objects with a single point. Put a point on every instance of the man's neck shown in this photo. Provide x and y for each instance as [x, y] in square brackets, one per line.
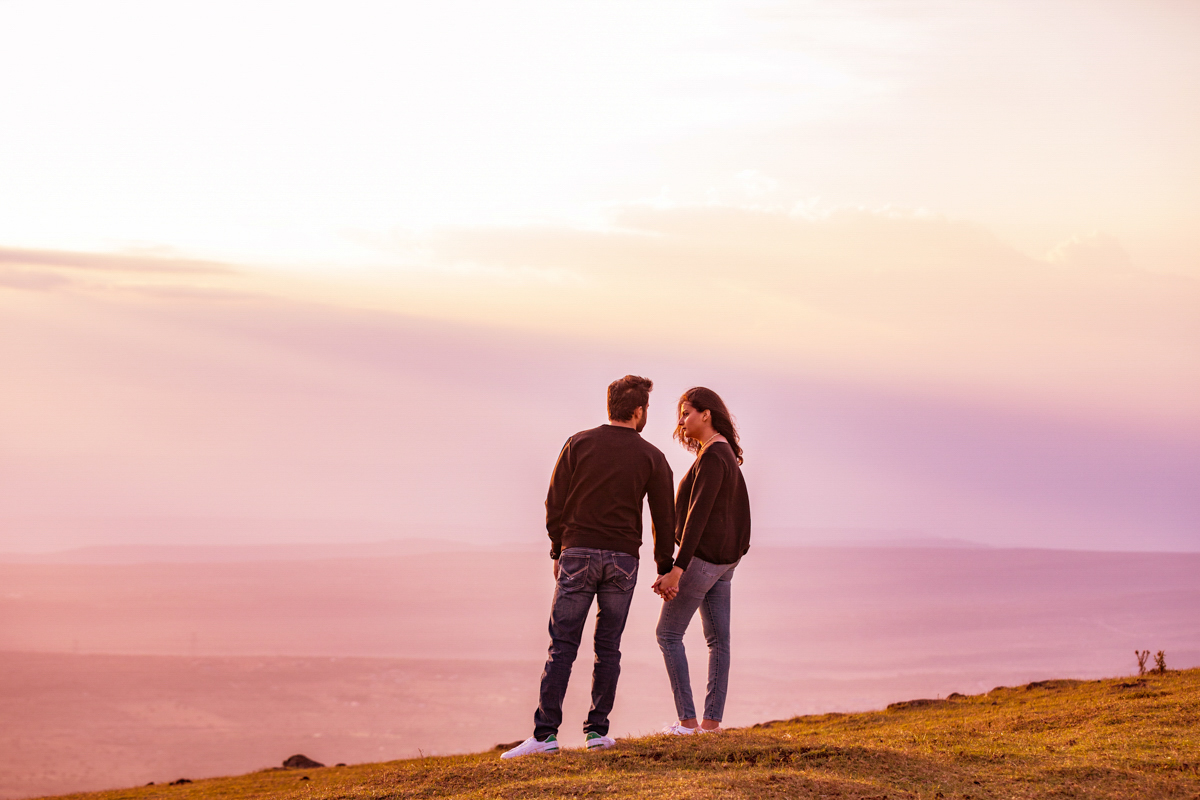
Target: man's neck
[629, 423]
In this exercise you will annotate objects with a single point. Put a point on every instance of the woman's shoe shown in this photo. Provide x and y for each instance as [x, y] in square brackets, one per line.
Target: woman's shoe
[702, 729]
[678, 730]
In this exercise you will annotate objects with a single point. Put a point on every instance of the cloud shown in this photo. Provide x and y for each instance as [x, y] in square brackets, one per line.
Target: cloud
[884, 294]
[112, 262]
[1094, 251]
[153, 273]
[192, 293]
[754, 184]
[736, 244]
[32, 280]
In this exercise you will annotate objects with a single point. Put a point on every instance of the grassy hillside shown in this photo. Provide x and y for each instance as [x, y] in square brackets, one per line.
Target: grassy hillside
[1120, 738]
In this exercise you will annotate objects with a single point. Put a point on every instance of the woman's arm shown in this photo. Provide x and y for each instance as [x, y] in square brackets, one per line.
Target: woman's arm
[710, 475]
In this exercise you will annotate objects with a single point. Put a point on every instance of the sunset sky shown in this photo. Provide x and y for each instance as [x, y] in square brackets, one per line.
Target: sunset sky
[354, 271]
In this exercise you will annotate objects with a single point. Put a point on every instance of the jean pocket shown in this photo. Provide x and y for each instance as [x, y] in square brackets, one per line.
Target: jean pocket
[572, 567]
[626, 565]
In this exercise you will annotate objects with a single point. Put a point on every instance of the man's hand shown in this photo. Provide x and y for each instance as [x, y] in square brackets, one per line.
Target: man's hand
[556, 569]
[667, 586]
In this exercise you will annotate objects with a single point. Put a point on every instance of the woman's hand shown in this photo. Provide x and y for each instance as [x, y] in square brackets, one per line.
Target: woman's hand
[667, 586]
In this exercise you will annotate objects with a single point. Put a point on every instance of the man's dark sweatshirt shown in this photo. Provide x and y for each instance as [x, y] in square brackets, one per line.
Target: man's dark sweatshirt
[595, 497]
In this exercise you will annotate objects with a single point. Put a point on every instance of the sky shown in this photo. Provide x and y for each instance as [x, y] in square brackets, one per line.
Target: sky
[343, 272]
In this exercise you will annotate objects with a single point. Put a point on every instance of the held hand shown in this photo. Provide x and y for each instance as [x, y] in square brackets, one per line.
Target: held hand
[667, 586]
[556, 569]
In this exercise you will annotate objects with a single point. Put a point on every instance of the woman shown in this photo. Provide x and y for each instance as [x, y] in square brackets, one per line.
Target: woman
[712, 528]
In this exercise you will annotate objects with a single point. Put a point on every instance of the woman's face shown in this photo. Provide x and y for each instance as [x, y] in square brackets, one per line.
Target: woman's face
[694, 423]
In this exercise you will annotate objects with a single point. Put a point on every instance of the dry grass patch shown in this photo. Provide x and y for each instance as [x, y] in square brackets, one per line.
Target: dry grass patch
[1120, 738]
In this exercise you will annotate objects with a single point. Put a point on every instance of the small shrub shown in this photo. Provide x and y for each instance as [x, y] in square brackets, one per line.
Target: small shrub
[1160, 663]
[1142, 655]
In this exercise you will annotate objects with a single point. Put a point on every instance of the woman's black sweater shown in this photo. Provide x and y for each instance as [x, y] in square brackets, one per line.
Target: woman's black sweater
[712, 509]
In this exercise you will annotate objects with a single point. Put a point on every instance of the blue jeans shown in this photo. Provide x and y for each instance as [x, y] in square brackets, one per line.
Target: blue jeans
[584, 573]
[706, 587]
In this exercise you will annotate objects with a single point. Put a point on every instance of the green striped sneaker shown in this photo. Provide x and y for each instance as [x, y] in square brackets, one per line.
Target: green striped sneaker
[595, 741]
[532, 745]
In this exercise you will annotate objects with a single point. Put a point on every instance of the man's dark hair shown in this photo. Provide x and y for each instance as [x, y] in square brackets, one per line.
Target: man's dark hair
[627, 395]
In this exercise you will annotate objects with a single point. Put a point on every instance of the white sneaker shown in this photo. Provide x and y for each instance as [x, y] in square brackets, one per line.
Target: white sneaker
[678, 730]
[532, 745]
[702, 729]
[595, 741]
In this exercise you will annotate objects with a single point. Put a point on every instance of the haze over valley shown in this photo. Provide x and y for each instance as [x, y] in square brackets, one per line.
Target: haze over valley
[123, 673]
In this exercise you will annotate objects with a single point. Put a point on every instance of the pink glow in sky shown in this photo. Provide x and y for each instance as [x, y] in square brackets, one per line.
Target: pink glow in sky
[355, 272]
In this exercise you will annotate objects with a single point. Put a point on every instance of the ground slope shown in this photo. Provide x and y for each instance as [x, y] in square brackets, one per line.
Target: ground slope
[1118, 738]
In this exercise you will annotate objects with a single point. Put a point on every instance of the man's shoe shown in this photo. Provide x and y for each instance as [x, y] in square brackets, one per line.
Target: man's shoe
[678, 730]
[594, 741]
[532, 745]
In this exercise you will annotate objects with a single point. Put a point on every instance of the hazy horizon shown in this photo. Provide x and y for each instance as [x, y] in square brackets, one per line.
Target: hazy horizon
[145, 552]
[122, 673]
[327, 425]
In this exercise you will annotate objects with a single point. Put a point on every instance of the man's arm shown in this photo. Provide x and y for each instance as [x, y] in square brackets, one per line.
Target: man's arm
[662, 514]
[556, 501]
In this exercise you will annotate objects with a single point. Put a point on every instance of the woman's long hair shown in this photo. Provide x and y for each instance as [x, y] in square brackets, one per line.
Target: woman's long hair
[703, 399]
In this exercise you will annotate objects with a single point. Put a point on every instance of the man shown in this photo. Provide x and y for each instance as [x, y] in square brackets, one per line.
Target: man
[594, 518]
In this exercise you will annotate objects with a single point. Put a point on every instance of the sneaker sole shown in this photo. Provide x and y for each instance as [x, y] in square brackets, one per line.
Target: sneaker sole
[536, 753]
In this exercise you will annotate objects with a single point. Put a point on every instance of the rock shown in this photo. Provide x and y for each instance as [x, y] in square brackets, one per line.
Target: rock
[1055, 684]
[905, 704]
[300, 761]
[180, 782]
[304, 777]
[508, 746]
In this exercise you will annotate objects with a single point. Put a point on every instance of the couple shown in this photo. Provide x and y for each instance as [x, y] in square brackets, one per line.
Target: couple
[594, 517]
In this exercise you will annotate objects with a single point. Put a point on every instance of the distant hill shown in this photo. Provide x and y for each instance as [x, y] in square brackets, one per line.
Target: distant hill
[232, 554]
[1116, 738]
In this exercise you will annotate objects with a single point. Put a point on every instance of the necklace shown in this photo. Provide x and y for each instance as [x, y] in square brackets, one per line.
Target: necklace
[715, 435]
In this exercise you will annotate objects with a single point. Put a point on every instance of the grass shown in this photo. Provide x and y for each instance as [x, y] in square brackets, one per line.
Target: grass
[1117, 738]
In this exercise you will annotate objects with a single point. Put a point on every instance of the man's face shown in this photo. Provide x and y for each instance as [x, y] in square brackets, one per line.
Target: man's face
[645, 415]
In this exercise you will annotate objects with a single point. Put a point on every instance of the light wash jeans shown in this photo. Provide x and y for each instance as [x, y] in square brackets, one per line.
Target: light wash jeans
[706, 587]
[585, 573]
